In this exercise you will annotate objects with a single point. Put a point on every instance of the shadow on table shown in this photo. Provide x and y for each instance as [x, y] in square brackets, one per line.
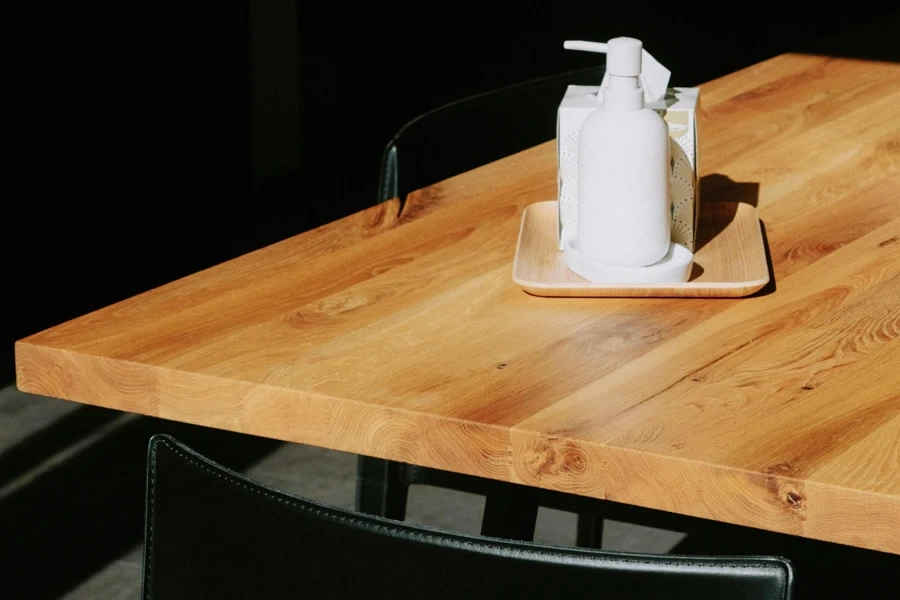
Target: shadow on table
[718, 197]
[62, 523]
[770, 287]
[716, 187]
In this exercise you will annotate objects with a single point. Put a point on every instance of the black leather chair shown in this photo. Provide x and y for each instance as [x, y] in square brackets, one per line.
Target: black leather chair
[459, 136]
[211, 533]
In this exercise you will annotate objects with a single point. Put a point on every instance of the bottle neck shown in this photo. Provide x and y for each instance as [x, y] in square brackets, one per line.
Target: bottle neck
[623, 94]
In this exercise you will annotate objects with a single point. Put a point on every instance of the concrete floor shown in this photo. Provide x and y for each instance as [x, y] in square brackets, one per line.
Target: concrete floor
[71, 494]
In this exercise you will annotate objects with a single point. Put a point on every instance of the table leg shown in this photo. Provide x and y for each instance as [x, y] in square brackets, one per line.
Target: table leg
[590, 531]
[510, 512]
[381, 488]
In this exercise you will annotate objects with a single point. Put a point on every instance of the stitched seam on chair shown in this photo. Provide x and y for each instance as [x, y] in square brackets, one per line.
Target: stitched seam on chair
[449, 541]
[151, 512]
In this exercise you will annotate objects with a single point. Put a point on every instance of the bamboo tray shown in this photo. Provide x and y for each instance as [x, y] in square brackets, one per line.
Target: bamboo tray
[729, 258]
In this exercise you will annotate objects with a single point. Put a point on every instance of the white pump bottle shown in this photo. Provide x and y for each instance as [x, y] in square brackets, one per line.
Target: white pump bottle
[624, 206]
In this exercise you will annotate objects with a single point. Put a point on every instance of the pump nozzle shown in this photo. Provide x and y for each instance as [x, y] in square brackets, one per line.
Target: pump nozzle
[585, 46]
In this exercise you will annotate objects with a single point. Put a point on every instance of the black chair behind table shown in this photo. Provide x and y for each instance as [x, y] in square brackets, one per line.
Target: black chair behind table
[459, 136]
[211, 533]
[443, 142]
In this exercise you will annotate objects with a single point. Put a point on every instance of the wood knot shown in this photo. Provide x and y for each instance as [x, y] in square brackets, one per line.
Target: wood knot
[574, 462]
[546, 460]
[502, 365]
[555, 457]
[794, 499]
[782, 468]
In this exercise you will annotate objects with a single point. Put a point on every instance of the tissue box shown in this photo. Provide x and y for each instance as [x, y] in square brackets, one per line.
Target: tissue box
[678, 108]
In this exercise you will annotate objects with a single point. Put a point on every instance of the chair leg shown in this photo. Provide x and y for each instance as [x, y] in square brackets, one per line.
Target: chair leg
[381, 487]
[590, 532]
[510, 512]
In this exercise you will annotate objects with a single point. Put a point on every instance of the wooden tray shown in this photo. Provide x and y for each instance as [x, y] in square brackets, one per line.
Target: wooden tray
[729, 260]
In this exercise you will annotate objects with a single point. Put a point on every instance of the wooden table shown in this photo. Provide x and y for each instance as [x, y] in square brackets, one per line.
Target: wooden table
[403, 336]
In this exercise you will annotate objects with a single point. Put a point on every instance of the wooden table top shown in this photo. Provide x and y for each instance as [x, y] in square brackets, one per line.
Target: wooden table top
[404, 337]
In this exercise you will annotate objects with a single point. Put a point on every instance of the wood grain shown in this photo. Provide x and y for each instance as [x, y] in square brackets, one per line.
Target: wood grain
[406, 338]
[730, 261]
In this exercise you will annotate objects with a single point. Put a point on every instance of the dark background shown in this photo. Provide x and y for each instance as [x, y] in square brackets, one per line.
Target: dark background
[147, 142]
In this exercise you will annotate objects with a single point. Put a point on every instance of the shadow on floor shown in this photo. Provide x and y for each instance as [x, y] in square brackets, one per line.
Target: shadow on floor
[61, 522]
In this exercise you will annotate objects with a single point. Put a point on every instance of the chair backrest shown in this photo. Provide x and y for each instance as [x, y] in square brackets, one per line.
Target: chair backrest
[211, 533]
[474, 131]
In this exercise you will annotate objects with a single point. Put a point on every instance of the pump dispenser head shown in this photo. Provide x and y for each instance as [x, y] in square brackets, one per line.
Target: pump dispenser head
[627, 58]
[623, 67]
[623, 57]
